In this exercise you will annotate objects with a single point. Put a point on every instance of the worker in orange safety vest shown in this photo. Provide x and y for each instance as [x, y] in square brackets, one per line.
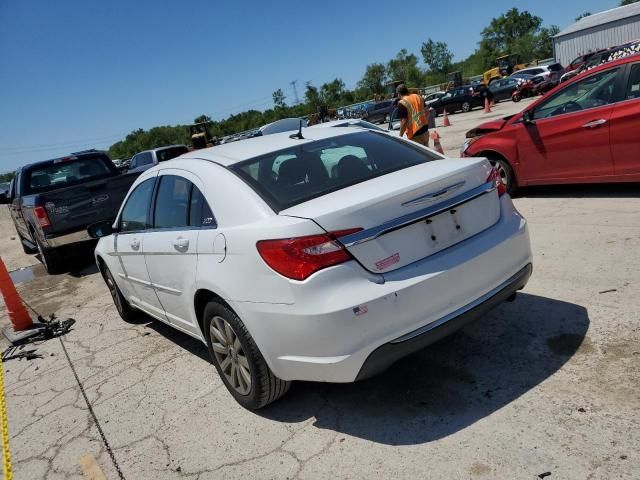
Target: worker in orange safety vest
[414, 118]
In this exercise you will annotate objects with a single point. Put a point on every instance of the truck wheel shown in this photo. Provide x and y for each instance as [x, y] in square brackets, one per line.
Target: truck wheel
[50, 258]
[238, 359]
[125, 311]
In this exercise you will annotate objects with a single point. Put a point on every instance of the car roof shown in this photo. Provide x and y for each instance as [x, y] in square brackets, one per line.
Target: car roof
[236, 152]
[164, 147]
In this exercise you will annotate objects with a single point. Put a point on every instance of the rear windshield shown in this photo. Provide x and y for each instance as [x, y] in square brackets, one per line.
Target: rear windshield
[66, 172]
[289, 177]
[169, 153]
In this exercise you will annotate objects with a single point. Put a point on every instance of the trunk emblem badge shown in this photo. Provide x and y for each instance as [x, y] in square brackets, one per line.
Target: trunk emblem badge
[429, 197]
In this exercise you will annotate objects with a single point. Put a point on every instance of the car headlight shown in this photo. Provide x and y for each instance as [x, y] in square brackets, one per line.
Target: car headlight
[467, 143]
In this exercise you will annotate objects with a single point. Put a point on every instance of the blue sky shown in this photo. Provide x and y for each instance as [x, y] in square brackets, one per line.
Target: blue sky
[80, 74]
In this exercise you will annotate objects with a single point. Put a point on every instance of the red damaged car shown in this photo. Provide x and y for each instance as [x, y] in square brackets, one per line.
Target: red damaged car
[586, 130]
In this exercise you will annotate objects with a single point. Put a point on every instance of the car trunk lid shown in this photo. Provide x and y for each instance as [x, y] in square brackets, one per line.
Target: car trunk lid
[409, 214]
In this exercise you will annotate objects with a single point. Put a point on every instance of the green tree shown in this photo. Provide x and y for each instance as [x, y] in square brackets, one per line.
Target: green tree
[508, 33]
[627, 2]
[278, 99]
[582, 15]
[332, 92]
[405, 67]
[203, 119]
[312, 97]
[436, 55]
[373, 80]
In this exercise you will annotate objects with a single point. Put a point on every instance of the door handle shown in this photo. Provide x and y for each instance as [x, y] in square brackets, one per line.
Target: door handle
[594, 123]
[135, 243]
[181, 244]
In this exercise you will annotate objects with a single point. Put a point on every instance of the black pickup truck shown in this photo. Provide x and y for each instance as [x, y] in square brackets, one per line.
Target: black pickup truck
[52, 202]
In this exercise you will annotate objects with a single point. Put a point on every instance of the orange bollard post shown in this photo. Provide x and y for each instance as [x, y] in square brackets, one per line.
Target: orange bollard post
[445, 120]
[435, 136]
[18, 315]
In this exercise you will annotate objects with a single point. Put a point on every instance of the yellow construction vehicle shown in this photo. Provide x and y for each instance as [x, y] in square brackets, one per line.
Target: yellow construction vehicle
[200, 136]
[506, 65]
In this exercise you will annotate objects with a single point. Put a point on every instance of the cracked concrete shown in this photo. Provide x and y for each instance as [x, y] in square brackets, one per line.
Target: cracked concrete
[547, 383]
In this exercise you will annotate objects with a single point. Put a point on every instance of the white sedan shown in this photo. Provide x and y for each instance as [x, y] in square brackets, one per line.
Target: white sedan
[323, 255]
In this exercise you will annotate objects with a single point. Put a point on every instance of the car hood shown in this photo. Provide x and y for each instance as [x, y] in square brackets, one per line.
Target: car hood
[488, 127]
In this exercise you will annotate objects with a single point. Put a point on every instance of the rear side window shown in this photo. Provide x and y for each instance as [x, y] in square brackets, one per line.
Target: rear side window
[200, 214]
[170, 153]
[172, 202]
[633, 89]
[66, 172]
[324, 166]
[135, 214]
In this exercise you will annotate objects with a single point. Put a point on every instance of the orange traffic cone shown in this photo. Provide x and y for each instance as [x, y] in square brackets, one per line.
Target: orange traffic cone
[487, 108]
[435, 136]
[18, 315]
[445, 120]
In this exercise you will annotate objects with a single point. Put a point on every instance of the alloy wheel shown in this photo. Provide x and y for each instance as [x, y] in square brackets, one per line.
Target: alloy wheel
[501, 170]
[230, 355]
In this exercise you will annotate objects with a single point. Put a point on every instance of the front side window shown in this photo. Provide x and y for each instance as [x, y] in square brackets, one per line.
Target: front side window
[172, 202]
[594, 91]
[318, 168]
[145, 159]
[135, 214]
[170, 153]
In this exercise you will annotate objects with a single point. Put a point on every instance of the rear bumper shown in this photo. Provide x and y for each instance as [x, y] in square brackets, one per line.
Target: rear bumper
[342, 315]
[389, 353]
[56, 241]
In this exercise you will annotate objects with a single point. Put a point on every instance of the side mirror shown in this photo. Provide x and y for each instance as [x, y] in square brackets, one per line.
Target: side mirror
[4, 198]
[527, 118]
[100, 229]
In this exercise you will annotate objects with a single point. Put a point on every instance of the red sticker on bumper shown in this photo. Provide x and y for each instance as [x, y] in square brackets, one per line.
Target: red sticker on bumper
[387, 262]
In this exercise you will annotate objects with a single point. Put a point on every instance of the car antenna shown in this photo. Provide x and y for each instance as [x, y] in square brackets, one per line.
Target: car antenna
[299, 134]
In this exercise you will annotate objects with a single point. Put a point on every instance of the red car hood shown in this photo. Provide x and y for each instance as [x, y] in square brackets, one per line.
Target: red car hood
[488, 127]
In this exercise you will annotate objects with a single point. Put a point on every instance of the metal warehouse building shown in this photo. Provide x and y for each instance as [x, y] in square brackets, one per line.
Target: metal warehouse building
[600, 30]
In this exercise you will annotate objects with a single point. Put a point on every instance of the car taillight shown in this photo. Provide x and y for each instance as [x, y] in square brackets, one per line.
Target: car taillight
[41, 216]
[298, 258]
[494, 177]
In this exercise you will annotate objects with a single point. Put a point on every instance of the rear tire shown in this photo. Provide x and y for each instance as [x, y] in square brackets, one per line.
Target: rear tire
[516, 98]
[27, 250]
[466, 107]
[126, 312]
[238, 360]
[50, 258]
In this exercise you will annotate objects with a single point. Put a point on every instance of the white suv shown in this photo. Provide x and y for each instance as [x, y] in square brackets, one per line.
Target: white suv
[322, 255]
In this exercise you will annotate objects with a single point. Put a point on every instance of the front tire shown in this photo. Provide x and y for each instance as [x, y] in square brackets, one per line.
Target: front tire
[506, 173]
[238, 360]
[516, 97]
[466, 107]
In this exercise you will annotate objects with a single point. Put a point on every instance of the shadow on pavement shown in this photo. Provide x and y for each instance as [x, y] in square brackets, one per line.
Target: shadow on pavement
[452, 384]
[613, 190]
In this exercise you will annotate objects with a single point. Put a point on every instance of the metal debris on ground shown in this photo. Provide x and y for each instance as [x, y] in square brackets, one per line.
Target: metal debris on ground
[609, 291]
[14, 352]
